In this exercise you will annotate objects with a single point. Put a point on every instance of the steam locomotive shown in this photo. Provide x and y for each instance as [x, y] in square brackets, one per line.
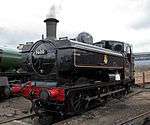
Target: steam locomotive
[10, 64]
[70, 73]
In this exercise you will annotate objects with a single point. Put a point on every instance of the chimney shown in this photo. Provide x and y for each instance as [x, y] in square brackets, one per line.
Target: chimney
[51, 24]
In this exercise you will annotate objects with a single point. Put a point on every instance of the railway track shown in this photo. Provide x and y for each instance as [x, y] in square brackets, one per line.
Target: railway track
[13, 109]
[30, 119]
[144, 118]
[17, 119]
[27, 119]
[128, 111]
[139, 119]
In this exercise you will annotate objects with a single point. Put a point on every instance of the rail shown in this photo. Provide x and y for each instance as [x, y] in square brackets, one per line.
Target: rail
[134, 118]
[19, 118]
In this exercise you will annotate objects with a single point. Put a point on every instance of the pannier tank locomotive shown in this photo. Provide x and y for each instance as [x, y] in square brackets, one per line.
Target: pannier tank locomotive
[70, 73]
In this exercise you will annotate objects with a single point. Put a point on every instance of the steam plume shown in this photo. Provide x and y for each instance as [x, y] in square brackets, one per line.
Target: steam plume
[52, 12]
[56, 6]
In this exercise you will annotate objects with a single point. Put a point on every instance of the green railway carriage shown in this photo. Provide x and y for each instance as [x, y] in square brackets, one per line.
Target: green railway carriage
[10, 60]
[10, 71]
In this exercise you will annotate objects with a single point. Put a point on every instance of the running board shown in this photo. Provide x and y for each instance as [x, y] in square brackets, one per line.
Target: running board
[112, 92]
[103, 95]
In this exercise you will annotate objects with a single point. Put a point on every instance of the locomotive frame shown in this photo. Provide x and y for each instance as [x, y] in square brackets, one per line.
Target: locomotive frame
[74, 74]
[83, 89]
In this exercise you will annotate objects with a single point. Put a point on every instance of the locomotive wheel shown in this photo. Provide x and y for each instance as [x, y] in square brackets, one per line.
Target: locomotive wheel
[120, 95]
[36, 105]
[78, 102]
[46, 119]
[43, 119]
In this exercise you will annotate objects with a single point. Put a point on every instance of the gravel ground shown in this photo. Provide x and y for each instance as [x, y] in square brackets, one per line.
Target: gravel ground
[112, 113]
[14, 108]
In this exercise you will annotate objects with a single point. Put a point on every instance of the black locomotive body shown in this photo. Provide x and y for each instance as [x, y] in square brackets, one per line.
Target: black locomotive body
[73, 73]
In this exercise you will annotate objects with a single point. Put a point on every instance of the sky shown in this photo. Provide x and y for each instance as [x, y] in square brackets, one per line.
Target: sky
[125, 20]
